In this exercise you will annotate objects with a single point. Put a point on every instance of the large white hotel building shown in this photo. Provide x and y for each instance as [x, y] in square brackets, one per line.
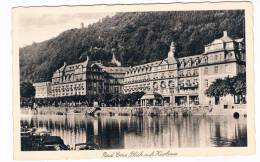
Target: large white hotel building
[171, 81]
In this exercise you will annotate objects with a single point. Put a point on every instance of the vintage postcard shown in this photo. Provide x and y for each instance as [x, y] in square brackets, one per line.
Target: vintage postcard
[150, 80]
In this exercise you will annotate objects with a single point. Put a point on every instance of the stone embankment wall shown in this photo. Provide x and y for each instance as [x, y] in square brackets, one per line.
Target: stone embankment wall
[139, 111]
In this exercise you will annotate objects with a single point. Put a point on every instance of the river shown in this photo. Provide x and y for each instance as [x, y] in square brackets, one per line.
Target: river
[123, 132]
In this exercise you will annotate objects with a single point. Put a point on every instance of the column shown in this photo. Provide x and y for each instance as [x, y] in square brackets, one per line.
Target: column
[154, 102]
[188, 100]
[172, 100]
[95, 125]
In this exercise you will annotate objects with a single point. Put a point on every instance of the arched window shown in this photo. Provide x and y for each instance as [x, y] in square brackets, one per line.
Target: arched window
[155, 85]
[72, 77]
[183, 63]
[171, 84]
[189, 63]
[163, 84]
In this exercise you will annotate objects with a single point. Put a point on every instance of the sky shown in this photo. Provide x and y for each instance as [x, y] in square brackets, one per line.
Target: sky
[41, 26]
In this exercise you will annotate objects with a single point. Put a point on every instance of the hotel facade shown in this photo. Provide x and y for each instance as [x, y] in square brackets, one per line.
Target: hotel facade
[184, 80]
[87, 78]
[171, 81]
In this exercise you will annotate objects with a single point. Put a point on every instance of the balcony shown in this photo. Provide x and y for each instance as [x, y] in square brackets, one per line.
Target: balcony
[188, 86]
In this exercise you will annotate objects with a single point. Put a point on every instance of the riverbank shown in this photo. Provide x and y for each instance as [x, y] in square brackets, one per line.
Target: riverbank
[239, 110]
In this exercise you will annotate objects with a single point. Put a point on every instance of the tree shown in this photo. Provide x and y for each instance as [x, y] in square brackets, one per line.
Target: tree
[238, 87]
[138, 37]
[235, 86]
[27, 90]
[218, 88]
[134, 97]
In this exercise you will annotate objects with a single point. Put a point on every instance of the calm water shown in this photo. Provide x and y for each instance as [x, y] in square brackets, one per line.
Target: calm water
[143, 132]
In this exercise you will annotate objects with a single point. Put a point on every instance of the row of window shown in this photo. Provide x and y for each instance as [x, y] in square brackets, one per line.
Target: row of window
[68, 93]
[194, 72]
[220, 46]
[217, 69]
[189, 63]
[189, 83]
[161, 75]
[139, 70]
[137, 89]
[138, 85]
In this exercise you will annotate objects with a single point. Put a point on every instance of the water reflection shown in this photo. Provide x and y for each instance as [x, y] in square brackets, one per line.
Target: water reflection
[143, 132]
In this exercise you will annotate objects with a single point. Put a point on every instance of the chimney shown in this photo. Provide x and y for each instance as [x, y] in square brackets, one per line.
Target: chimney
[225, 33]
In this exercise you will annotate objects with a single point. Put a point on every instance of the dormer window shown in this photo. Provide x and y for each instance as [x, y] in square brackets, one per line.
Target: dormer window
[196, 62]
[181, 73]
[189, 63]
[205, 59]
[183, 63]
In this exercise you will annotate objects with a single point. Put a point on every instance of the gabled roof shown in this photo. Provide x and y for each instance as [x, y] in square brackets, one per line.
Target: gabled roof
[164, 62]
[62, 68]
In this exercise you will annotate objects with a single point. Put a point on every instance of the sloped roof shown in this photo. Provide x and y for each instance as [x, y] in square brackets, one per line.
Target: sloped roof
[150, 64]
[83, 64]
[239, 40]
[112, 69]
[62, 68]
[163, 62]
[223, 39]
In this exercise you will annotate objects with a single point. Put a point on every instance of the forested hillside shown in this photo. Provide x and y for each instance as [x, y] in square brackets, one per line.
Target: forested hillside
[134, 37]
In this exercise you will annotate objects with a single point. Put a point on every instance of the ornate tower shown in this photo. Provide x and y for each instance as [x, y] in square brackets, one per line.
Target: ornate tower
[171, 54]
[114, 60]
[82, 25]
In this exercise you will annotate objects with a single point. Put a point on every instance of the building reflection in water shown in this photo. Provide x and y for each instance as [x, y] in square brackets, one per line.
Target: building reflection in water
[143, 132]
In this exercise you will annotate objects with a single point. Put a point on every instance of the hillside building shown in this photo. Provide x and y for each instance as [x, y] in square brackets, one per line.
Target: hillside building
[171, 81]
[42, 89]
[184, 80]
[87, 78]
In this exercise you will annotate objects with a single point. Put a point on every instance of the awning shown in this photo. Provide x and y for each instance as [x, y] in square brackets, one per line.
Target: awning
[151, 96]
